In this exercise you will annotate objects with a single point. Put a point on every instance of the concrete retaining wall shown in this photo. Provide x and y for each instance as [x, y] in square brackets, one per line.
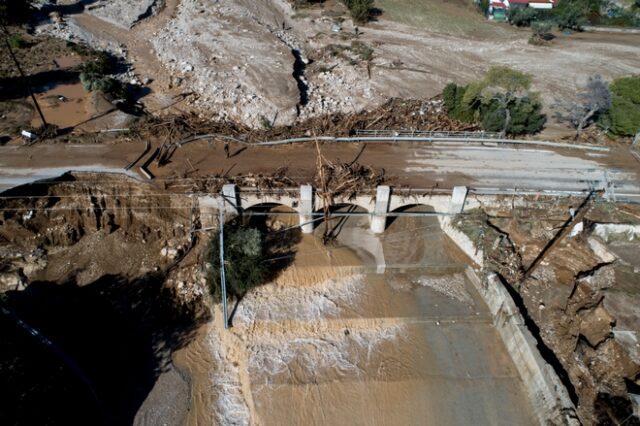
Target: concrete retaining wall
[548, 395]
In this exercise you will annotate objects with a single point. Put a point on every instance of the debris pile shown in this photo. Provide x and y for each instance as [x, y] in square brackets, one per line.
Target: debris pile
[348, 179]
[395, 114]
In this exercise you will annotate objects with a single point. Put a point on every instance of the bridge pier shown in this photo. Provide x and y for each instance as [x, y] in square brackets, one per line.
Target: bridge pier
[305, 209]
[380, 210]
[231, 200]
[458, 197]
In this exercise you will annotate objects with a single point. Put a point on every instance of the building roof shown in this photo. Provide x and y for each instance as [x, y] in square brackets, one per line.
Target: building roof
[533, 1]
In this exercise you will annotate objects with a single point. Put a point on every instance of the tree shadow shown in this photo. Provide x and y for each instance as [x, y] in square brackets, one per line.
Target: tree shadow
[120, 333]
[612, 410]
[14, 87]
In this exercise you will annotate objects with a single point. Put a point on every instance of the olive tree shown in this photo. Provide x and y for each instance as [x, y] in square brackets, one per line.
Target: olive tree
[244, 258]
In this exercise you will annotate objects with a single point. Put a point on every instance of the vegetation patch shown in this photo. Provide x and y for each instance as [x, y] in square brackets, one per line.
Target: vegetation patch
[576, 14]
[500, 102]
[244, 256]
[623, 117]
[361, 10]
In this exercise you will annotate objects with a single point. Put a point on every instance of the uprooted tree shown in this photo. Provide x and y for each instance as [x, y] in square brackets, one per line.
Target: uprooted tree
[592, 102]
[244, 258]
[500, 102]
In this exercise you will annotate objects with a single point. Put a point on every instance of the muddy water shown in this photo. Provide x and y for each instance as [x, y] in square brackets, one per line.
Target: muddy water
[412, 345]
[64, 105]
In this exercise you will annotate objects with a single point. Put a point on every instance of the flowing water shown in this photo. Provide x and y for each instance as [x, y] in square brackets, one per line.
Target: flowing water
[412, 345]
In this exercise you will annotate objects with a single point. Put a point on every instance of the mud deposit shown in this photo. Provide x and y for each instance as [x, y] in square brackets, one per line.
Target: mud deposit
[412, 345]
[80, 263]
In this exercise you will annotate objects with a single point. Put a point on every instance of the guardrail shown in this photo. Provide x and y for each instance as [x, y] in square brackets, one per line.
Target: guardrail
[396, 139]
[429, 134]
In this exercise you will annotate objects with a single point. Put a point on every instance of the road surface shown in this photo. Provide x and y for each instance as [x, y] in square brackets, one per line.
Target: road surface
[409, 164]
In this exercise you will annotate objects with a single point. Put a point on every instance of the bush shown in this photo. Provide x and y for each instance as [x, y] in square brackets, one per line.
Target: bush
[623, 118]
[360, 9]
[244, 261]
[573, 14]
[542, 30]
[627, 87]
[501, 94]
[115, 88]
[17, 42]
[453, 101]
[525, 115]
[522, 16]
[483, 5]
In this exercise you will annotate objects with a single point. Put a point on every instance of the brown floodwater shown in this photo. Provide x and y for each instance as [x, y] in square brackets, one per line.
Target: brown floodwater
[410, 343]
[64, 105]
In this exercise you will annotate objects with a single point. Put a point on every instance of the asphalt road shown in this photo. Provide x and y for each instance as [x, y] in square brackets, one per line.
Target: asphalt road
[409, 164]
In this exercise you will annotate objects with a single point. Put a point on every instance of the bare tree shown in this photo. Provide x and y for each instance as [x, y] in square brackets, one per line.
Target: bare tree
[593, 100]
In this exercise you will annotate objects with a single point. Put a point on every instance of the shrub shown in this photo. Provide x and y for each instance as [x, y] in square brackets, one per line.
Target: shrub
[116, 88]
[573, 14]
[244, 261]
[627, 87]
[483, 5]
[542, 30]
[17, 42]
[499, 102]
[360, 9]
[363, 51]
[525, 115]
[453, 101]
[623, 118]
[522, 16]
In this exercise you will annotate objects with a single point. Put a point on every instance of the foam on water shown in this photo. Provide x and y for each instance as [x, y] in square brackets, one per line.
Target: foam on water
[277, 303]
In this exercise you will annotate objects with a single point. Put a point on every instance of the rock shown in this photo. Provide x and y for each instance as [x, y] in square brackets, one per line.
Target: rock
[596, 326]
[169, 252]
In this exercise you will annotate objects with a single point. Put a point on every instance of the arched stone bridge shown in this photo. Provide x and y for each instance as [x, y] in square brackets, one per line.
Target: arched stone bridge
[305, 203]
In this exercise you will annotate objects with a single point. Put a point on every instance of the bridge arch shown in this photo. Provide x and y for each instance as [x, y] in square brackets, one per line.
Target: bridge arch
[410, 207]
[271, 214]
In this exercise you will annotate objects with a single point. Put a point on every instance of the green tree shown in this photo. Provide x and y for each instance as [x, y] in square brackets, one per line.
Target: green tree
[360, 9]
[513, 115]
[452, 97]
[244, 261]
[627, 87]
[623, 118]
[572, 14]
[522, 16]
[500, 102]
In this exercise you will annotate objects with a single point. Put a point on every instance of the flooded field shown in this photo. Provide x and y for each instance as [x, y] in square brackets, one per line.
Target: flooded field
[412, 345]
[64, 105]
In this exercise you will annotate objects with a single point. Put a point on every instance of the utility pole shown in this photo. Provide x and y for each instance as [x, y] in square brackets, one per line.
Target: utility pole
[223, 283]
[24, 78]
